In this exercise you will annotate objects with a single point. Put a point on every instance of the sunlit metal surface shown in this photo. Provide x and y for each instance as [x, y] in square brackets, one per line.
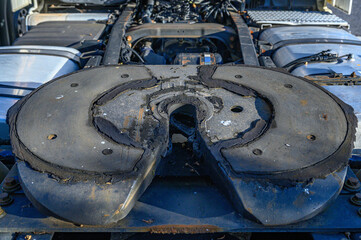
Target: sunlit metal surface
[21, 72]
[352, 96]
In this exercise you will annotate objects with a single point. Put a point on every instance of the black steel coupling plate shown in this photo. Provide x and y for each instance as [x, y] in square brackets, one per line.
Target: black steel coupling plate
[88, 143]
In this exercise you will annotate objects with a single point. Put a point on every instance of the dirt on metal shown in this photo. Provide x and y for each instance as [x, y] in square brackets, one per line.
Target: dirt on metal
[185, 229]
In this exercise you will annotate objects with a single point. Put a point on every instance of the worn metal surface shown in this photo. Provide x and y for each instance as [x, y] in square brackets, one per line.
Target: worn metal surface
[258, 145]
[297, 96]
[177, 204]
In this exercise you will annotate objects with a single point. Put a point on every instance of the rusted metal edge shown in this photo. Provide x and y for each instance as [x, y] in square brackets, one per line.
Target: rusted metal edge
[248, 50]
[185, 229]
[112, 53]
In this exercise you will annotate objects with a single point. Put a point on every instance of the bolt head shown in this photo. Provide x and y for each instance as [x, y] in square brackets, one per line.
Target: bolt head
[5, 199]
[352, 181]
[4, 195]
[356, 199]
[10, 185]
[10, 181]
[352, 184]
[358, 196]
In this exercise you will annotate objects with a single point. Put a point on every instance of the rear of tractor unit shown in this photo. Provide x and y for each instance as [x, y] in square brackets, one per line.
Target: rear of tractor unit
[187, 119]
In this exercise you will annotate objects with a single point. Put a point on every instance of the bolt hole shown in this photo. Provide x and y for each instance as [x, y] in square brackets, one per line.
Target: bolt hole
[311, 137]
[237, 109]
[52, 136]
[107, 151]
[125, 75]
[74, 85]
[288, 86]
[257, 151]
[238, 76]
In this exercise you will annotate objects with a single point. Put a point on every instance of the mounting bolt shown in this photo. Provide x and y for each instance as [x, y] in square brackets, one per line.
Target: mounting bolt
[10, 185]
[5, 199]
[2, 213]
[352, 184]
[356, 199]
